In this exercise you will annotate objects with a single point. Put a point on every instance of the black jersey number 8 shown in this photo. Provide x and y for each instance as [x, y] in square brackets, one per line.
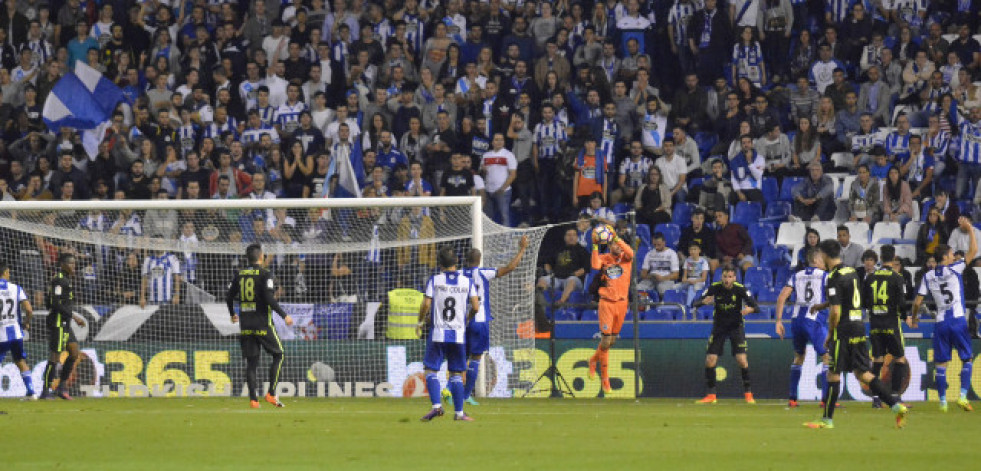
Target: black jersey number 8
[449, 309]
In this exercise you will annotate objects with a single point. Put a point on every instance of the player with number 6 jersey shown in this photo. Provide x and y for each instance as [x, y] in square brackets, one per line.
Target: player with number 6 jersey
[450, 302]
[847, 345]
[809, 321]
[15, 317]
[946, 284]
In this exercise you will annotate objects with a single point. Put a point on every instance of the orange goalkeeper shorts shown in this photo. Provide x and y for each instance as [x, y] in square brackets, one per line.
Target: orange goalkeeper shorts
[611, 315]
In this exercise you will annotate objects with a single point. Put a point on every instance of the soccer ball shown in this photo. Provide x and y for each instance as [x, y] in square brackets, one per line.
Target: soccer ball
[603, 234]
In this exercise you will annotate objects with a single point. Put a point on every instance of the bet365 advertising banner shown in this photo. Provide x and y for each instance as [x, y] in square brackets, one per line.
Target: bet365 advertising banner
[365, 368]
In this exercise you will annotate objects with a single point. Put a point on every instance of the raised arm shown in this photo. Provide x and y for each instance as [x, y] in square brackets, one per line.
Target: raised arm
[513, 264]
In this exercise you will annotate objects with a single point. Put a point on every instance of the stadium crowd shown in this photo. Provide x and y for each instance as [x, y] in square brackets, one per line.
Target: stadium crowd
[705, 116]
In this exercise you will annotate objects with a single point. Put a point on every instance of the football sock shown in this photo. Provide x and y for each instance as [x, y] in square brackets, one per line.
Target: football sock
[882, 391]
[456, 389]
[274, 369]
[604, 363]
[966, 378]
[251, 365]
[899, 371]
[28, 383]
[824, 383]
[66, 371]
[745, 375]
[795, 372]
[473, 368]
[432, 384]
[710, 379]
[877, 368]
[940, 377]
[50, 372]
[834, 388]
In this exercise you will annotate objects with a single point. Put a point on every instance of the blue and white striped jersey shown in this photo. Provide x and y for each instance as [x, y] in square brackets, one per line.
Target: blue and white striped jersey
[249, 92]
[809, 284]
[450, 293]
[940, 144]
[415, 29]
[970, 135]
[897, 145]
[678, 18]
[252, 136]
[11, 296]
[288, 116]
[267, 115]
[654, 126]
[863, 143]
[481, 277]
[215, 130]
[636, 172]
[159, 270]
[909, 11]
[549, 137]
[187, 138]
[748, 62]
[839, 9]
[946, 284]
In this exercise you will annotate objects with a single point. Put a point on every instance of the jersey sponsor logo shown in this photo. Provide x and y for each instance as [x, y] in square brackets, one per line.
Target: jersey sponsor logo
[614, 271]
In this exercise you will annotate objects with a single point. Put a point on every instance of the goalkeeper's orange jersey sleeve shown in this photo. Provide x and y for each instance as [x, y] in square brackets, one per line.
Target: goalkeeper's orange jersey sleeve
[615, 271]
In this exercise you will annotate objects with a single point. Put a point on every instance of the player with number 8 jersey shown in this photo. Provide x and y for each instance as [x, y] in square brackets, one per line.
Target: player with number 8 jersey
[450, 302]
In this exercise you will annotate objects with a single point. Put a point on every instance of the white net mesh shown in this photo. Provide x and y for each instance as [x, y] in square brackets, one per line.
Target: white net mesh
[350, 277]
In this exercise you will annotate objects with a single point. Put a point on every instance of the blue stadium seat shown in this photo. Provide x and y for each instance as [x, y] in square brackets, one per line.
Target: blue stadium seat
[786, 191]
[964, 206]
[667, 313]
[644, 233]
[695, 182]
[771, 189]
[949, 183]
[642, 252]
[717, 276]
[621, 209]
[662, 313]
[781, 273]
[672, 233]
[567, 314]
[768, 295]
[706, 141]
[578, 297]
[774, 255]
[758, 278]
[747, 213]
[676, 296]
[777, 211]
[681, 214]
[704, 313]
[763, 235]
[765, 313]
[589, 315]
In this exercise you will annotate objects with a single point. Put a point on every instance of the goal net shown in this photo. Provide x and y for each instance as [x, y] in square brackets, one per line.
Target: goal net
[152, 275]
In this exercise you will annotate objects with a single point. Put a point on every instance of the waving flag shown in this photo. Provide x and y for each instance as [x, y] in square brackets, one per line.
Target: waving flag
[84, 100]
[347, 174]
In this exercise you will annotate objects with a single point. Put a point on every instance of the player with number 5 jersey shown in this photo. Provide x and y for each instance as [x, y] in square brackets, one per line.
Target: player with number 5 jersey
[809, 321]
[450, 302]
[15, 318]
[946, 284]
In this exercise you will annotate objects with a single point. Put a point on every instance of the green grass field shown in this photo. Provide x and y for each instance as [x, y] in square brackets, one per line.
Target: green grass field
[386, 434]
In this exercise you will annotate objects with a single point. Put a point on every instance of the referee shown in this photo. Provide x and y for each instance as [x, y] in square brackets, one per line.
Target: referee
[884, 298]
[253, 288]
[60, 299]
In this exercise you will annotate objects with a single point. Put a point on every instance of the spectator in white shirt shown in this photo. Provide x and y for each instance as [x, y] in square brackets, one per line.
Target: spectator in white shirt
[674, 171]
[500, 168]
[660, 269]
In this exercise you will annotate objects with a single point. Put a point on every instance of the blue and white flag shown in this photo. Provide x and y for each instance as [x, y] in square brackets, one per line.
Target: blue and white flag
[85, 100]
[347, 174]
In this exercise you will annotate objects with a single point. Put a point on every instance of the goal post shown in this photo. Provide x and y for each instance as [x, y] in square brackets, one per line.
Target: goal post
[152, 275]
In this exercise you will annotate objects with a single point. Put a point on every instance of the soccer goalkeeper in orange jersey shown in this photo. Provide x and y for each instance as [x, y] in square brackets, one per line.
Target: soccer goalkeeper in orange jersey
[614, 270]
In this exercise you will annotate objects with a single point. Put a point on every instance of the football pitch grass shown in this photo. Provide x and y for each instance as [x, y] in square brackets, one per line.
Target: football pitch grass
[532, 434]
